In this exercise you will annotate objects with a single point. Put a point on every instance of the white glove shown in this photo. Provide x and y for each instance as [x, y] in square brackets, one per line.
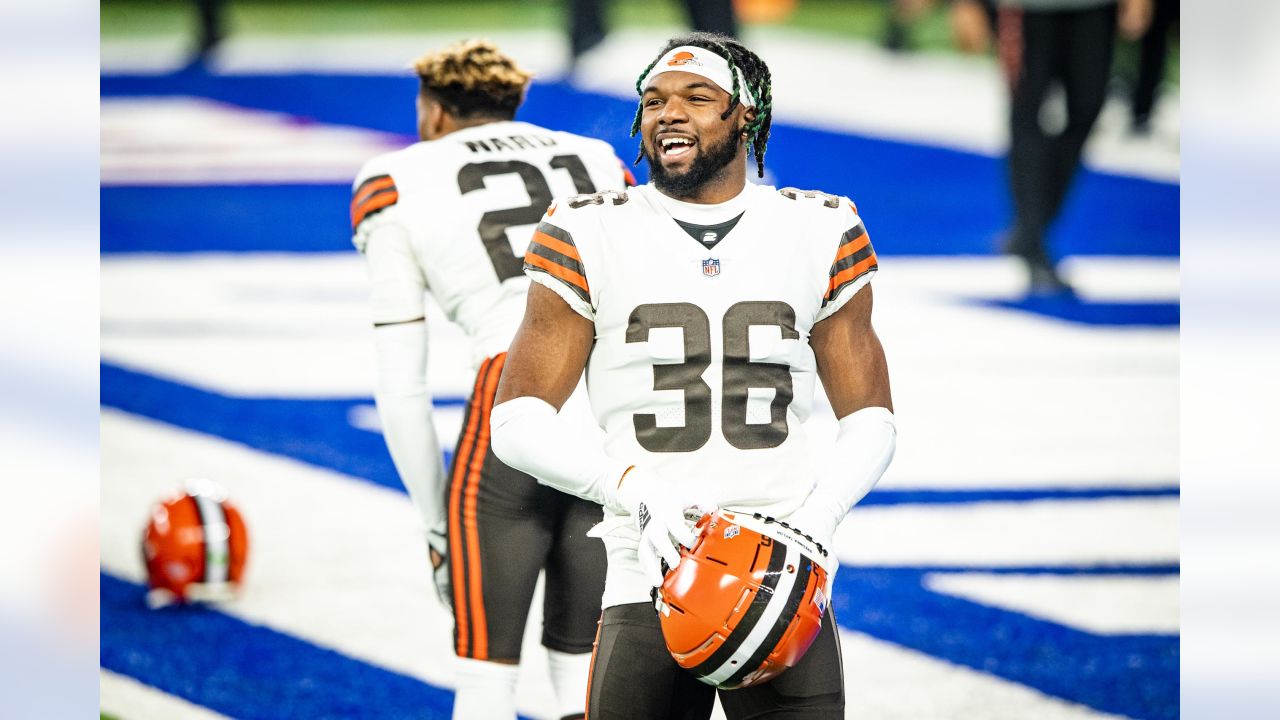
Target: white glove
[438, 544]
[658, 513]
[815, 520]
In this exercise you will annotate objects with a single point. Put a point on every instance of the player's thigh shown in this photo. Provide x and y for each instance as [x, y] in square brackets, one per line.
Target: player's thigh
[499, 539]
[812, 690]
[634, 677]
[575, 576]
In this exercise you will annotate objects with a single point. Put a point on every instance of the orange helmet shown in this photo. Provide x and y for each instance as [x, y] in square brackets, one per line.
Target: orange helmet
[194, 546]
[746, 601]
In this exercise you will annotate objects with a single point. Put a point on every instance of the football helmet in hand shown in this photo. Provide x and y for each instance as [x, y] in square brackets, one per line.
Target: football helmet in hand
[746, 602]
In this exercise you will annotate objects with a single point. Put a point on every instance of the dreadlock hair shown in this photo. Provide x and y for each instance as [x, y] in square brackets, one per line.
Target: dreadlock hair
[754, 71]
[473, 79]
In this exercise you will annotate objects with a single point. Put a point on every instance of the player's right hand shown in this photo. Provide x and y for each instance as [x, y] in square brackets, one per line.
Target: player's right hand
[658, 513]
[438, 548]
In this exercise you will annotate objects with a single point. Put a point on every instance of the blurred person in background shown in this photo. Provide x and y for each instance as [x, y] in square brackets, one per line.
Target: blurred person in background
[899, 19]
[211, 30]
[1042, 43]
[588, 27]
[1154, 52]
[435, 217]
[702, 250]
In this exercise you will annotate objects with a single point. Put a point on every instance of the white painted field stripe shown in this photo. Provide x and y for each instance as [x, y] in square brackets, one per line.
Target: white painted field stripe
[1087, 532]
[191, 140]
[124, 698]
[1102, 605]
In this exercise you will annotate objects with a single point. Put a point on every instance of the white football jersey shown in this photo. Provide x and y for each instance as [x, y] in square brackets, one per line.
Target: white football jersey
[701, 368]
[467, 204]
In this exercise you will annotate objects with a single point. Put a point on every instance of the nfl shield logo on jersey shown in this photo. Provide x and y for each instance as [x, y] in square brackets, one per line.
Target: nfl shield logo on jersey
[711, 267]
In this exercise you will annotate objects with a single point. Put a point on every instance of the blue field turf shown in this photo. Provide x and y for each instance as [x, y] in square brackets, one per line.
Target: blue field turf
[247, 671]
[917, 200]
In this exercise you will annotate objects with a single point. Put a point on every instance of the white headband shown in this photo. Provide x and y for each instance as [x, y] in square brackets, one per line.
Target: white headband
[700, 61]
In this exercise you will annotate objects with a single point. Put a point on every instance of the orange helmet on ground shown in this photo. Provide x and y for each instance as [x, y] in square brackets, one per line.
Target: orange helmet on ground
[195, 546]
[746, 601]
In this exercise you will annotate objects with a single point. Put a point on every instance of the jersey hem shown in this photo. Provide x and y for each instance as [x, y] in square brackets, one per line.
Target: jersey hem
[844, 295]
[569, 296]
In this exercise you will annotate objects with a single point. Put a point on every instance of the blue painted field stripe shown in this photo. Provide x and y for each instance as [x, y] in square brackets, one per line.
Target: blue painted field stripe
[248, 671]
[1091, 312]
[921, 200]
[979, 495]
[1134, 675]
[313, 431]
[1154, 570]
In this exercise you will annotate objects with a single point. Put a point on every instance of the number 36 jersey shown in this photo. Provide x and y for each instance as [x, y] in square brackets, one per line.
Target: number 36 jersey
[454, 216]
[701, 368]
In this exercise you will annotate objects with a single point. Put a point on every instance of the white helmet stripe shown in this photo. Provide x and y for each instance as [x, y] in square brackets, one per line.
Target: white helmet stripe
[768, 619]
[759, 602]
[217, 538]
[798, 591]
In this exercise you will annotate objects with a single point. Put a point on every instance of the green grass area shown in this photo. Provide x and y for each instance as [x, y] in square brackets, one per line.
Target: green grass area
[133, 18]
[125, 18]
[852, 19]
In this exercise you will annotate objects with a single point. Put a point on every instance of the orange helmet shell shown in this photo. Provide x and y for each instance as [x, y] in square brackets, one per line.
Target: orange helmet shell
[195, 545]
[745, 603]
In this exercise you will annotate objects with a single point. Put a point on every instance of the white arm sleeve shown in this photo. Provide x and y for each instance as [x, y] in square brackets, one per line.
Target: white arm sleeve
[397, 284]
[529, 435]
[404, 401]
[864, 448]
[404, 405]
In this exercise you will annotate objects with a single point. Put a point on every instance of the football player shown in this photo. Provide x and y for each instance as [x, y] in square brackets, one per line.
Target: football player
[452, 215]
[705, 309]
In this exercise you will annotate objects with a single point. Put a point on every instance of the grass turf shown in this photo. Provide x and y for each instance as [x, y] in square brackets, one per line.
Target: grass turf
[852, 19]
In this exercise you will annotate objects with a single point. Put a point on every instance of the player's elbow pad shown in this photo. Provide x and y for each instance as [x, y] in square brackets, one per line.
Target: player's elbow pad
[864, 449]
[529, 435]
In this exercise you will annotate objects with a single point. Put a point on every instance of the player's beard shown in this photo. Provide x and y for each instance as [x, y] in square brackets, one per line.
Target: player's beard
[709, 161]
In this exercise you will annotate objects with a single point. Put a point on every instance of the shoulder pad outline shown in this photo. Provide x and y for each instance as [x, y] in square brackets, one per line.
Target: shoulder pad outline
[616, 196]
[828, 200]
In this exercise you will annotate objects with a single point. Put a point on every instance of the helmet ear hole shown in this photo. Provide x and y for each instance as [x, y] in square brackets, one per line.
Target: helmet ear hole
[744, 572]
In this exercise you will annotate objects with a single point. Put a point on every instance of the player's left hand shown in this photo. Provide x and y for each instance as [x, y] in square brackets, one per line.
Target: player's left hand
[814, 520]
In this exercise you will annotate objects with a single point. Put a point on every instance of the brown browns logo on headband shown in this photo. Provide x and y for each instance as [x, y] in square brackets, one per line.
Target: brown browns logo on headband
[683, 58]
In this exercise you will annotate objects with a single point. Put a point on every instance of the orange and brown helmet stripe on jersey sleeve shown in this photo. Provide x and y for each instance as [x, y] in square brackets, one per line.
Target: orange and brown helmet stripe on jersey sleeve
[552, 251]
[854, 258]
[375, 194]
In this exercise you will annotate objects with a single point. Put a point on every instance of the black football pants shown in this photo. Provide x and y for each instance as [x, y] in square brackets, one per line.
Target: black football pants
[634, 677]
